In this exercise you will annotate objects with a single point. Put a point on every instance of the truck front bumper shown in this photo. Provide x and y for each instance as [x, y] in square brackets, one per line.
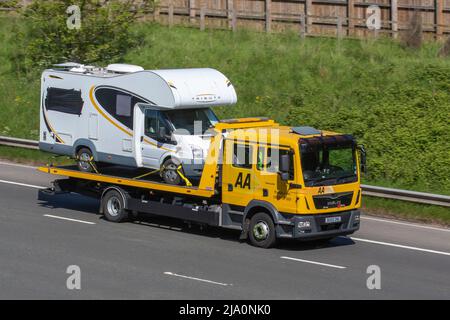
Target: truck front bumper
[319, 226]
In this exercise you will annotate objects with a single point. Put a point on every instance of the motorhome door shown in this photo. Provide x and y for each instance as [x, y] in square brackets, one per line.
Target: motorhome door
[154, 134]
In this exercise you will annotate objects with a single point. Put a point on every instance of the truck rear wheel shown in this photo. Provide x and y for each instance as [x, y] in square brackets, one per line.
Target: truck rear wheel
[262, 231]
[114, 207]
[84, 156]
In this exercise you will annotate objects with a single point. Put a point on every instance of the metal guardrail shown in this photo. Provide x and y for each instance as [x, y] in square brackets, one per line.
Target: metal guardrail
[17, 142]
[406, 195]
[372, 191]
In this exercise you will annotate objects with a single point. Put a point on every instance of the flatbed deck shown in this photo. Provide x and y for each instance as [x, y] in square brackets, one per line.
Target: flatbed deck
[127, 177]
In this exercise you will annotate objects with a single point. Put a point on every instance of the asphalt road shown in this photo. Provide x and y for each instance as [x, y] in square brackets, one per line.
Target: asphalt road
[160, 258]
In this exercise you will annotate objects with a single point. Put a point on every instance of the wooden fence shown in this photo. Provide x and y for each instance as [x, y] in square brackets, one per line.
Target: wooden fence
[307, 17]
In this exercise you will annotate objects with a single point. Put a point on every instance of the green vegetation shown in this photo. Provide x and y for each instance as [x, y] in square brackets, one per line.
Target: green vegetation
[395, 100]
[406, 211]
[94, 31]
[32, 157]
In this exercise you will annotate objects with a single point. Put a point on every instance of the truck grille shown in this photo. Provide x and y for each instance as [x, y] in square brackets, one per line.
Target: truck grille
[335, 200]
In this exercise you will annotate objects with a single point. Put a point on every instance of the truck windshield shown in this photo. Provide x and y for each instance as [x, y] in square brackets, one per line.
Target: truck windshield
[327, 162]
[192, 121]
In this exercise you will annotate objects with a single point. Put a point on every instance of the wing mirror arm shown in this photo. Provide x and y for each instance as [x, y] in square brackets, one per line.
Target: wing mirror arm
[362, 152]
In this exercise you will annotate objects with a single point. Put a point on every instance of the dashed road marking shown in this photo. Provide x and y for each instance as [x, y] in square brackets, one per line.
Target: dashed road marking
[401, 246]
[314, 262]
[22, 184]
[69, 219]
[196, 279]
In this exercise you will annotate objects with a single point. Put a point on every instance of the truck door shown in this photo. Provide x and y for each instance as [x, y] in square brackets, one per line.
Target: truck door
[269, 186]
[238, 177]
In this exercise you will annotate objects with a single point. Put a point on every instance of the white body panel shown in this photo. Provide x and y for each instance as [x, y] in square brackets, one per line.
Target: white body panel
[109, 130]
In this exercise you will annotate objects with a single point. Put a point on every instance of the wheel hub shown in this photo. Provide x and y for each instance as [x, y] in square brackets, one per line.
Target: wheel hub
[113, 206]
[261, 230]
[84, 159]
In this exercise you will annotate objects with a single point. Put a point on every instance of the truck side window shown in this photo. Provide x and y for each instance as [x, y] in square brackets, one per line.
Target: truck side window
[153, 121]
[242, 156]
[273, 160]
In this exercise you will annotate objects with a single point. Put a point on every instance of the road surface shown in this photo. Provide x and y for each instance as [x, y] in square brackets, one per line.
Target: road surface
[161, 258]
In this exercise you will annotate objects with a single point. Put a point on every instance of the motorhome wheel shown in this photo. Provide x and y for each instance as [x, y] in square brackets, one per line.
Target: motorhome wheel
[84, 156]
[169, 172]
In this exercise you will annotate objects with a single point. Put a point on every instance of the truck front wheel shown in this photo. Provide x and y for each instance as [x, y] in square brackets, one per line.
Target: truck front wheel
[262, 231]
[113, 206]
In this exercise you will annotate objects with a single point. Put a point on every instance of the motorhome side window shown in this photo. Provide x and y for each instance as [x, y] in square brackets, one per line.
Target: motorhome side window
[154, 121]
[123, 105]
[64, 100]
[119, 104]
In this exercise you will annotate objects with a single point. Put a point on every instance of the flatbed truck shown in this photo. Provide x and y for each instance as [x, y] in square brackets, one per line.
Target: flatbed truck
[266, 180]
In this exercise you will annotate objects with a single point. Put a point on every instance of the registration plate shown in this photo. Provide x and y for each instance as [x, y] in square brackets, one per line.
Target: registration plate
[333, 219]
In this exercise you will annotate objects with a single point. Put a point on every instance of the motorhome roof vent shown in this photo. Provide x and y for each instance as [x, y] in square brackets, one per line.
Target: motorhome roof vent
[123, 68]
[67, 65]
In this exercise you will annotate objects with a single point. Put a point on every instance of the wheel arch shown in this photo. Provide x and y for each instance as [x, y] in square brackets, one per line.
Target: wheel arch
[122, 193]
[256, 206]
[85, 143]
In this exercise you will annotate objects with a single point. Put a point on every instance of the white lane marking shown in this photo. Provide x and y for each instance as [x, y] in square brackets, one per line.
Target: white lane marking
[22, 184]
[17, 165]
[401, 246]
[314, 262]
[197, 279]
[69, 219]
[405, 224]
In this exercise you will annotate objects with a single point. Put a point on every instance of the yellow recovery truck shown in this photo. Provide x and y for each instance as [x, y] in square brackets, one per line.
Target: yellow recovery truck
[267, 180]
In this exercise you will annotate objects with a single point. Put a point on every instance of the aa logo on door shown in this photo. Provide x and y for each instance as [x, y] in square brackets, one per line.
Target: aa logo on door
[241, 182]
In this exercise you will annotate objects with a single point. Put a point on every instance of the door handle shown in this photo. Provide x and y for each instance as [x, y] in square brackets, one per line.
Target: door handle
[142, 138]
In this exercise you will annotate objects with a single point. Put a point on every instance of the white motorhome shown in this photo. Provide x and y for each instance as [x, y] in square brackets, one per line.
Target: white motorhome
[128, 116]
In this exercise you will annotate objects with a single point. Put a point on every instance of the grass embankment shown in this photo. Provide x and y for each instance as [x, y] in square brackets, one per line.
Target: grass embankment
[394, 100]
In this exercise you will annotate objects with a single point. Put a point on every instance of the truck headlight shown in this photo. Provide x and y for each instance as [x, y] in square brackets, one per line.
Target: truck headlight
[304, 224]
[197, 153]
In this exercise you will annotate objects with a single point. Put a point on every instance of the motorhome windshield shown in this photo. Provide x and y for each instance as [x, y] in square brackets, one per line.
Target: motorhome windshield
[192, 121]
[328, 160]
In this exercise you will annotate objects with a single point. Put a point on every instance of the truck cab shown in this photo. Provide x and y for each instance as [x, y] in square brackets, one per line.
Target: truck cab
[307, 181]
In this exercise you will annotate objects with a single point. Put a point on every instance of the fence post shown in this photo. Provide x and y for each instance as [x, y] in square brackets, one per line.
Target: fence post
[268, 15]
[350, 16]
[156, 12]
[202, 17]
[339, 27]
[394, 18]
[308, 14]
[234, 20]
[230, 7]
[439, 16]
[302, 26]
[192, 11]
[170, 14]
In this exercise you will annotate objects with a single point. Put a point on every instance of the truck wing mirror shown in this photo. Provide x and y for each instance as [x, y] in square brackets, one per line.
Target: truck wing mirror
[362, 152]
[285, 166]
[285, 163]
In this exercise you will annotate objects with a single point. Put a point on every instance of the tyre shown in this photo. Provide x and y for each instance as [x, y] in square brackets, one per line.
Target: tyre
[169, 173]
[114, 207]
[84, 156]
[262, 231]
